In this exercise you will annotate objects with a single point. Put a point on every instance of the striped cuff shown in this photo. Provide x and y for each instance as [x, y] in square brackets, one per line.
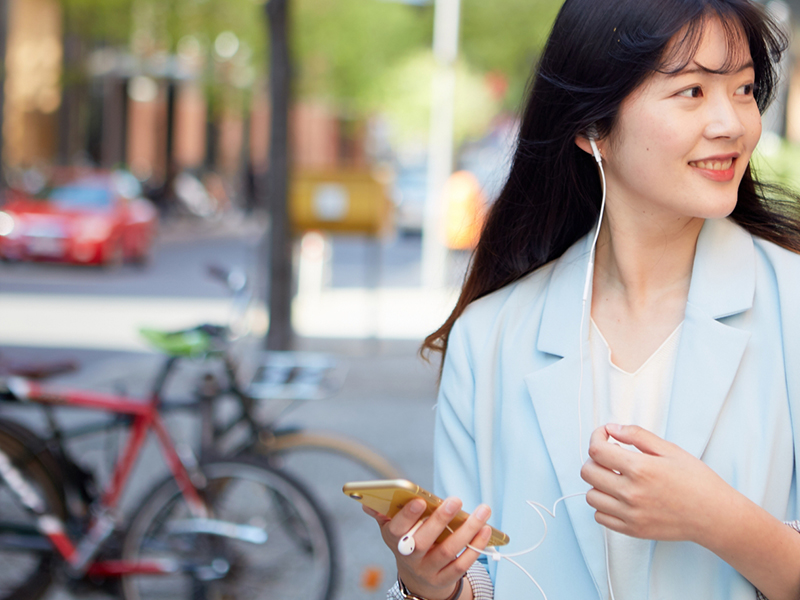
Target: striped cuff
[794, 525]
[478, 577]
[479, 581]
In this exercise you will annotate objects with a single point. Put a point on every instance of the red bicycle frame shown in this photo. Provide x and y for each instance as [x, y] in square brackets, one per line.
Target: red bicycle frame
[146, 416]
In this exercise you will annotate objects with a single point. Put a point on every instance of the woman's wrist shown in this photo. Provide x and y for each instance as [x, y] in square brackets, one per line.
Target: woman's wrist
[714, 511]
[759, 546]
[712, 528]
[455, 594]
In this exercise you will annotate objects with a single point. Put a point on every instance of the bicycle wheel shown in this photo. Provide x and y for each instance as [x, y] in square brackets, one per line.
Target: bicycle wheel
[297, 560]
[280, 442]
[27, 557]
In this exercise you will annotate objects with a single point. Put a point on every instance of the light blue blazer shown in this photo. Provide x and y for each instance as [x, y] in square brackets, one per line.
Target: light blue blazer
[507, 419]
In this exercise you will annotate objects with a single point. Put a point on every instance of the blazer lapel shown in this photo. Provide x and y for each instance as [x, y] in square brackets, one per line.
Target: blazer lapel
[554, 391]
[723, 284]
[562, 399]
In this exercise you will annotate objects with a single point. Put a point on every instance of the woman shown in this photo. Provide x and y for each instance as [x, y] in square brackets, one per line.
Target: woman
[683, 348]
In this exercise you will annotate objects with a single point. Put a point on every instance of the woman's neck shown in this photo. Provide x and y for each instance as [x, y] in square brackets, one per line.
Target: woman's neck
[641, 284]
[641, 264]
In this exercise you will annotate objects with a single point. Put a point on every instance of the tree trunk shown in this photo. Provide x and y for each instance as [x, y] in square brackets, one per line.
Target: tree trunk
[279, 336]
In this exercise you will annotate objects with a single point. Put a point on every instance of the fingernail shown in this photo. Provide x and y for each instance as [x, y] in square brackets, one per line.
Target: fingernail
[416, 507]
[613, 428]
[450, 506]
[483, 512]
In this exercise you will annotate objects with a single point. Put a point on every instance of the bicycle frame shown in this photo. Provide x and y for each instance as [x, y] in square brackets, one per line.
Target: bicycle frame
[146, 417]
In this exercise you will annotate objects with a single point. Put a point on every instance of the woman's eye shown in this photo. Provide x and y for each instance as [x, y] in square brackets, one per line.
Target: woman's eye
[692, 92]
[746, 90]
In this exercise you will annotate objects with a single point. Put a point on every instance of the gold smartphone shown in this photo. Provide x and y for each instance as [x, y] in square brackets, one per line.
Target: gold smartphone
[388, 496]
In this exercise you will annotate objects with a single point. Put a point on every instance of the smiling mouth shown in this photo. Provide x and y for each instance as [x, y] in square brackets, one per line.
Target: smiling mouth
[713, 165]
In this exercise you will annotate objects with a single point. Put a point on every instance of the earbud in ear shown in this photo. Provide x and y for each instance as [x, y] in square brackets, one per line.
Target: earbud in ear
[592, 135]
[595, 150]
[407, 544]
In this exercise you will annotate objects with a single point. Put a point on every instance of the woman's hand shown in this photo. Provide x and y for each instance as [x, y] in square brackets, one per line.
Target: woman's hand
[433, 570]
[664, 493]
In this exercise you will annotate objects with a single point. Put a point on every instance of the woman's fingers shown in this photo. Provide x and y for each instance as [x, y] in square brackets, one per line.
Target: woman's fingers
[645, 441]
[461, 565]
[612, 523]
[436, 524]
[432, 570]
[608, 454]
[605, 503]
[600, 477]
[455, 543]
[408, 516]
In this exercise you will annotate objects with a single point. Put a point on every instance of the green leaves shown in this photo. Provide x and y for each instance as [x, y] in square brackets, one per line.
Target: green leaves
[345, 51]
[506, 36]
[343, 46]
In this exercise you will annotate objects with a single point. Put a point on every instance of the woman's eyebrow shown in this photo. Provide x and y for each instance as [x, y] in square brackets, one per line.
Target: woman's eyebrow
[698, 68]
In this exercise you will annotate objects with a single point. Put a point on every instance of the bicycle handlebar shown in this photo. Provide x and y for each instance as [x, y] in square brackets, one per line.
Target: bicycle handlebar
[234, 279]
[218, 272]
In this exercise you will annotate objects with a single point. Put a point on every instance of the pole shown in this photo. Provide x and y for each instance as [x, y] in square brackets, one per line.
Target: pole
[440, 144]
[279, 335]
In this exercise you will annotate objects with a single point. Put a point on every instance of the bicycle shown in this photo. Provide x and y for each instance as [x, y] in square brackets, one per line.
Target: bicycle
[276, 380]
[232, 527]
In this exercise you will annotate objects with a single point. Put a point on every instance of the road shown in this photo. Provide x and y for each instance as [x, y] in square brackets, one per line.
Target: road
[386, 401]
[186, 248]
[363, 289]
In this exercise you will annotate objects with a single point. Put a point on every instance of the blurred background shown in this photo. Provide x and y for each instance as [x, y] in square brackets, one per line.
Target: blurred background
[340, 154]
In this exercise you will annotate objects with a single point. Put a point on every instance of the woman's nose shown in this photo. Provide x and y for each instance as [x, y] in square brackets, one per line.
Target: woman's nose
[725, 120]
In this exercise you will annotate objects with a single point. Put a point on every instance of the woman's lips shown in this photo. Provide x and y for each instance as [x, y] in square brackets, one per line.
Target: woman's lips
[715, 169]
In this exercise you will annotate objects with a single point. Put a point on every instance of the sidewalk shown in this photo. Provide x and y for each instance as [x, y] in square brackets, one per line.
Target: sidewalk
[111, 323]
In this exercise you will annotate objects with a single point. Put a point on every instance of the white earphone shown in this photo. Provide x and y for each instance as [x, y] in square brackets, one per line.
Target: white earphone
[597, 156]
[407, 544]
[592, 135]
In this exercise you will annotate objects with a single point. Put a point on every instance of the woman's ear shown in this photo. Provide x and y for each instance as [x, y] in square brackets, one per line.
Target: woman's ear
[583, 143]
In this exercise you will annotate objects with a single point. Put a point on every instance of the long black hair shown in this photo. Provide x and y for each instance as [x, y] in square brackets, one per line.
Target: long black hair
[597, 54]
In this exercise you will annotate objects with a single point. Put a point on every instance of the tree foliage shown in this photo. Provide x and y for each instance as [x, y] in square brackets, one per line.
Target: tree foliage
[159, 25]
[404, 97]
[98, 21]
[346, 49]
[343, 49]
[343, 46]
[506, 36]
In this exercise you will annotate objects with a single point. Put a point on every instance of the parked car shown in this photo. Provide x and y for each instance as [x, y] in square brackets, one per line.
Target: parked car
[97, 218]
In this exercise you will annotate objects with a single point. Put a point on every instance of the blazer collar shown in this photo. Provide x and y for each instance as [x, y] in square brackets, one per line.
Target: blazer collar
[722, 284]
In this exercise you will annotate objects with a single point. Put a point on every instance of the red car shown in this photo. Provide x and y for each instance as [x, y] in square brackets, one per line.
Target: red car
[95, 219]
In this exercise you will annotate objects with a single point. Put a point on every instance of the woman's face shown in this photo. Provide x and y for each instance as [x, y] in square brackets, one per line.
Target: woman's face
[682, 141]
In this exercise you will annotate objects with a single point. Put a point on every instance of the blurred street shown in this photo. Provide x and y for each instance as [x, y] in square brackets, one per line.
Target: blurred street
[388, 389]
[366, 288]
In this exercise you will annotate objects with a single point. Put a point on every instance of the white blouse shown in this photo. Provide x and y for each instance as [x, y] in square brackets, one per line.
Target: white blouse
[640, 398]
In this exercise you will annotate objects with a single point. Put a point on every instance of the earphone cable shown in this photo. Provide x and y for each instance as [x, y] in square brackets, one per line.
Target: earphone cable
[586, 287]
